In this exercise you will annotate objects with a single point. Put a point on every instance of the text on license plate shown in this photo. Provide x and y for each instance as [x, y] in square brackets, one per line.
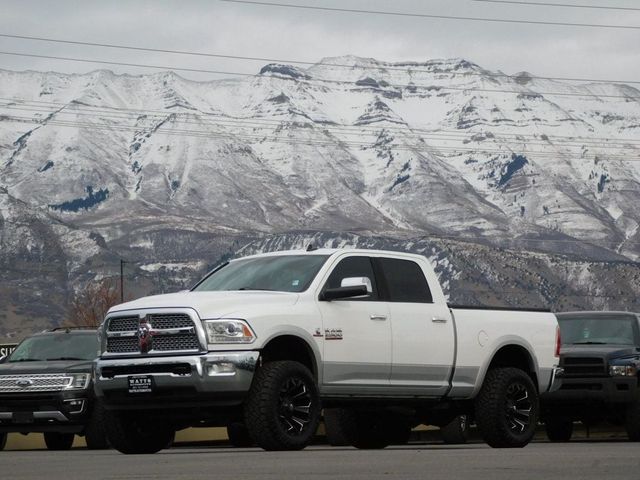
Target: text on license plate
[141, 384]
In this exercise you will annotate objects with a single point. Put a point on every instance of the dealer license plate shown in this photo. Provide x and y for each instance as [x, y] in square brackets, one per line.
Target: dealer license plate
[140, 384]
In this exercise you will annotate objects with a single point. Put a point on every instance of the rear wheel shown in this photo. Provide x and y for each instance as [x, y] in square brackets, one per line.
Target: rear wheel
[134, 434]
[558, 429]
[456, 431]
[507, 408]
[58, 441]
[282, 411]
[632, 421]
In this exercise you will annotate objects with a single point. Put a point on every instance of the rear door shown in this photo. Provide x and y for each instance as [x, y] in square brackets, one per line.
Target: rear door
[422, 332]
[357, 333]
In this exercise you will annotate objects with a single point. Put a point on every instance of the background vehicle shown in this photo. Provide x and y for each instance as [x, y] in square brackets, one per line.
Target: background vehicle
[46, 386]
[269, 340]
[601, 359]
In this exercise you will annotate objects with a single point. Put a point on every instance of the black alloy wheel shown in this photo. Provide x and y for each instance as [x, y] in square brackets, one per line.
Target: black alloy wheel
[506, 409]
[519, 407]
[295, 406]
[282, 410]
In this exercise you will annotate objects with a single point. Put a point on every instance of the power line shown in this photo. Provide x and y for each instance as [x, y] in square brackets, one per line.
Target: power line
[617, 145]
[324, 80]
[567, 5]
[356, 128]
[409, 68]
[440, 17]
[532, 154]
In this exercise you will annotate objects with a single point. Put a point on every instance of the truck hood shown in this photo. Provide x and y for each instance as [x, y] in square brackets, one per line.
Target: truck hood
[58, 366]
[606, 351]
[232, 304]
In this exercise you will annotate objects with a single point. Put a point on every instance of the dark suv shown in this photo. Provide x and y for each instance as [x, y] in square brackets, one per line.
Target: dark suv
[46, 386]
[600, 355]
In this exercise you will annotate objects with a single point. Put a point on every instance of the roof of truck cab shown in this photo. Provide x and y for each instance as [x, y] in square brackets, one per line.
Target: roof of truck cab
[330, 251]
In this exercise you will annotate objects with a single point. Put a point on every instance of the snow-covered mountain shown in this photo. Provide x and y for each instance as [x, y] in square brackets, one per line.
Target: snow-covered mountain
[173, 173]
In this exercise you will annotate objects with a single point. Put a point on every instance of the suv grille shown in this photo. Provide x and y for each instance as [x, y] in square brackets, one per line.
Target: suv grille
[584, 367]
[152, 333]
[51, 382]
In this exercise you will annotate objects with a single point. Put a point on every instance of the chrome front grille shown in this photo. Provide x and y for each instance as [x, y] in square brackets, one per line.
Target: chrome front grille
[51, 382]
[123, 324]
[150, 333]
[163, 321]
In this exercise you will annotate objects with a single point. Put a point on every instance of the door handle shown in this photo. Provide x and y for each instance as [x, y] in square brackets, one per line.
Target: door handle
[438, 320]
[378, 317]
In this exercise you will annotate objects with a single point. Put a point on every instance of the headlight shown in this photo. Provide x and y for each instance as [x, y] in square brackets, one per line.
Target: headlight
[623, 371]
[228, 331]
[79, 381]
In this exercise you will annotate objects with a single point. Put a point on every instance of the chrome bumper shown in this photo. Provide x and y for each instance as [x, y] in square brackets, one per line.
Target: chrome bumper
[215, 372]
[556, 379]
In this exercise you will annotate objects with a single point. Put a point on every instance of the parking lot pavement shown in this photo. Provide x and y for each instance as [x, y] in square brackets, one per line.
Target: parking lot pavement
[583, 459]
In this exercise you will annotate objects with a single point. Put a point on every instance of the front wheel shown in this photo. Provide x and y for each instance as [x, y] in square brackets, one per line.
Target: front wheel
[282, 411]
[134, 434]
[507, 408]
[95, 434]
[238, 435]
[456, 431]
[58, 441]
[632, 421]
[372, 430]
[558, 429]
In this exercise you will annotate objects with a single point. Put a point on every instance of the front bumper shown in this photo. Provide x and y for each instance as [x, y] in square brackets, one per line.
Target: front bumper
[215, 378]
[602, 390]
[44, 411]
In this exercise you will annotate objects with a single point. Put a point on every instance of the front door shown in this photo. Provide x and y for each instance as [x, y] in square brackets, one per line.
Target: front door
[357, 333]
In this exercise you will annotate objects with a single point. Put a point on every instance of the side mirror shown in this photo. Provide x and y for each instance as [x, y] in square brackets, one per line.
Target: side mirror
[343, 292]
[356, 282]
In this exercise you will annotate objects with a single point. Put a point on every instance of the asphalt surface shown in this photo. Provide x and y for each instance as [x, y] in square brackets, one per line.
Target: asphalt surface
[608, 460]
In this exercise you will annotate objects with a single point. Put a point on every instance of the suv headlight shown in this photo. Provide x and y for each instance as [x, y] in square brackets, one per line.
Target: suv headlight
[79, 381]
[228, 331]
[623, 371]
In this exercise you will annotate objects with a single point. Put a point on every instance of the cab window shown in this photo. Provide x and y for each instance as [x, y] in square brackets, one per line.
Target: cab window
[405, 281]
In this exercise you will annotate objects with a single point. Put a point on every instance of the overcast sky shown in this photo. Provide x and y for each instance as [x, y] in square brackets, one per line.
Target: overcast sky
[213, 26]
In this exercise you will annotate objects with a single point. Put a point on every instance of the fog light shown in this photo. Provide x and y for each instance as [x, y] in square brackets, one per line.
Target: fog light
[221, 368]
[75, 406]
[623, 371]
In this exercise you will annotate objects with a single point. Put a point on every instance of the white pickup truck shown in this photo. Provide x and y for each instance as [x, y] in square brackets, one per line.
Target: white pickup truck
[265, 342]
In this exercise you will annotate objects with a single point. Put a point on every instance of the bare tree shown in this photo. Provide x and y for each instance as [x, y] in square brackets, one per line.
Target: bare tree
[90, 306]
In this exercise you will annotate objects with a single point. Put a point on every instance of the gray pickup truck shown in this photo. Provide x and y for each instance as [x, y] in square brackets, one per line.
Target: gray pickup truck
[600, 355]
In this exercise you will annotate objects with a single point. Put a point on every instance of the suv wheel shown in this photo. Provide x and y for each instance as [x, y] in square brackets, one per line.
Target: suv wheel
[58, 441]
[456, 431]
[558, 429]
[238, 435]
[95, 434]
[372, 429]
[507, 408]
[632, 422]
[282, 411]
[135, 434]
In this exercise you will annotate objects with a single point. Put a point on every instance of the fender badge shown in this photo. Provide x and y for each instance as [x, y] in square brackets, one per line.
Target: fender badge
[318, 333]
[333, 334]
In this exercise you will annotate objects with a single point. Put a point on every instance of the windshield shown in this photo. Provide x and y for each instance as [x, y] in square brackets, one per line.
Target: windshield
[282, 273]
[56, 346]
[601, 329]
